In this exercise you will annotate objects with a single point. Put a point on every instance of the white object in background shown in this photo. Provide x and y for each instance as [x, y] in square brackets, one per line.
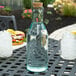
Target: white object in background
[6, 49]
[50, 5]
[68, 46]
[57, 35]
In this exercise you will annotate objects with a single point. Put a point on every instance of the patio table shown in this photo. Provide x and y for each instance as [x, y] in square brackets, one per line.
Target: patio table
[16, 64]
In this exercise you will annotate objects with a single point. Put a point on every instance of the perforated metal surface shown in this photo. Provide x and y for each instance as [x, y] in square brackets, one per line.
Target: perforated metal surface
[16, 65]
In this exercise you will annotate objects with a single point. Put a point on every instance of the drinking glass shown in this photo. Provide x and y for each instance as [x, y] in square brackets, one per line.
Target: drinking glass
[6, 48]
[68, 45]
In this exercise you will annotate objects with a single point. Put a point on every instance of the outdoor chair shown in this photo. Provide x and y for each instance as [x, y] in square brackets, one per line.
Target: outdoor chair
[7, 22]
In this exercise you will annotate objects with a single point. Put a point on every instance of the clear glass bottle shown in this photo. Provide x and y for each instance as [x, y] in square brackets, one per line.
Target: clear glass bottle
[37, 41]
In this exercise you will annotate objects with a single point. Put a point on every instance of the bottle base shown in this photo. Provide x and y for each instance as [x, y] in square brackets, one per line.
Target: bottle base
[36, 69]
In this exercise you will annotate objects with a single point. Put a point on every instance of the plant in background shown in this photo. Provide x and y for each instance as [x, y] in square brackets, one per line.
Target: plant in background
[27, 13]
[58, 18]
[65, 7]
[46, 21]
[5, 10]
[45, 2]
[49, 13]
[52, 1]
[27, 4]
[69, 10]
[36, 0]
[1, 7]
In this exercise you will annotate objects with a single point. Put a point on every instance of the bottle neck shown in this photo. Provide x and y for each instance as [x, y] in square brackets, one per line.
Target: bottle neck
[37, 15]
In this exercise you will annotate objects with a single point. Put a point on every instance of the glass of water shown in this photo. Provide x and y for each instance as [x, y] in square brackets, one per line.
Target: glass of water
[6, 49]
[68, 45]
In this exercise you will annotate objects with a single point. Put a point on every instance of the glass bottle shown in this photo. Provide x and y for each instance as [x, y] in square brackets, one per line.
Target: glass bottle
[37, 41]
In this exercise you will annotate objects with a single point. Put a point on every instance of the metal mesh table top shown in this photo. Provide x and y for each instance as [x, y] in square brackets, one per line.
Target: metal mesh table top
[16, 64]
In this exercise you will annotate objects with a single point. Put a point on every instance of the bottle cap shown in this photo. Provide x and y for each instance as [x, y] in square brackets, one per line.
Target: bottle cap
[37, 4]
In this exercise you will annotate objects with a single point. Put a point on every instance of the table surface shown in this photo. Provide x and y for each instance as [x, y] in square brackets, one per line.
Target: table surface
[16, 64]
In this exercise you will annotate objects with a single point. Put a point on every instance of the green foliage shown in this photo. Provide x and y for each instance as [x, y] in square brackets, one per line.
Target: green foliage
[7, 9]
[58, 18]
[45, 2]
[52, 1]
[49, 13]
[36, 0]
[27, 4]
[27, 13]
[46, 21]
[69, 10]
